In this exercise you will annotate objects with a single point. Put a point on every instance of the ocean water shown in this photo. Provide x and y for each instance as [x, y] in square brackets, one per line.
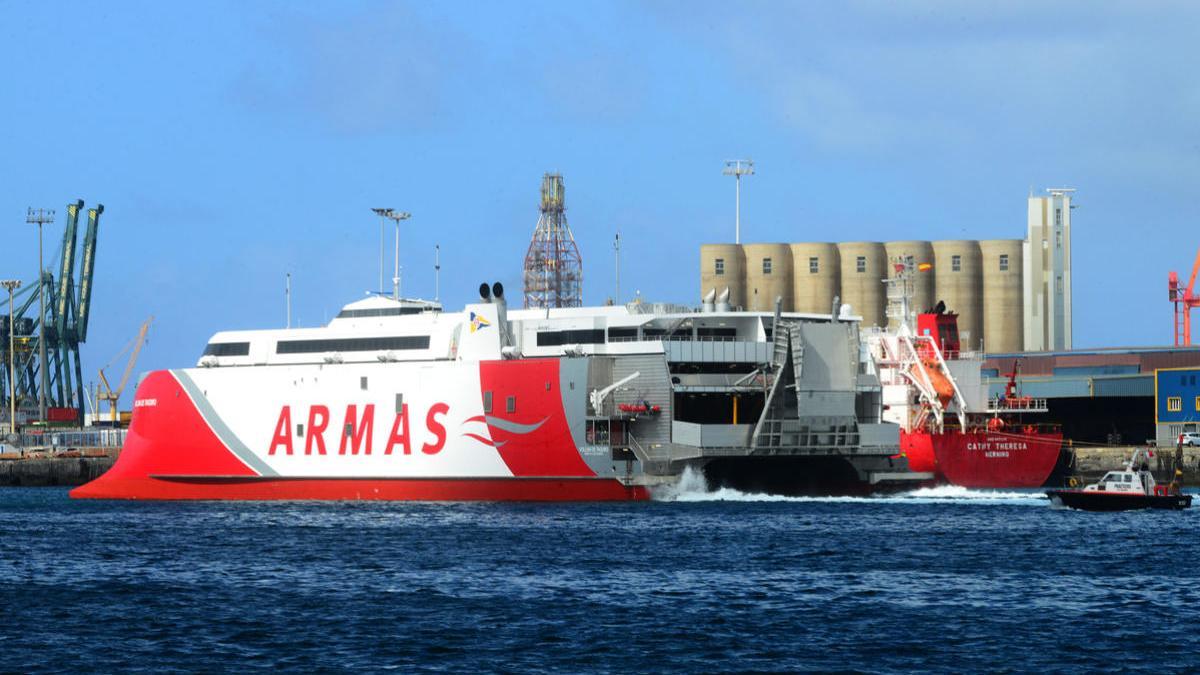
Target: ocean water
[943, 579]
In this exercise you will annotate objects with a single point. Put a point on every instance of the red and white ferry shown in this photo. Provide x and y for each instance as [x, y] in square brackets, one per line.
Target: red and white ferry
[396, 399]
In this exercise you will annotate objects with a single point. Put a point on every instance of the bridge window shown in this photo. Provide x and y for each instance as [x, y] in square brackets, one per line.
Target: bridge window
[377, 311]
[719, 266]
[1003, 262]
[766, 265]
[587, 336]
[1174, 404]
[716, 334]
[370, 344]
[227, 349]
[956, 263]
[860, 264]
[814, 265]
[619, 334]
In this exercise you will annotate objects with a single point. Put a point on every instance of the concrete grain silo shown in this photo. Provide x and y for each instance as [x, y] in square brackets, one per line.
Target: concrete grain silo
[816, 278]
[958, 282]
[922, 282]
[768, 276]
[1003, 310]
[862, 274]
[723, 266]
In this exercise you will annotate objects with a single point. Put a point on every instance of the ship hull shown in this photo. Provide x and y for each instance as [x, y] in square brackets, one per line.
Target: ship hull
[422, 433]
[1095, 500]
[366, 489]
[984, 459]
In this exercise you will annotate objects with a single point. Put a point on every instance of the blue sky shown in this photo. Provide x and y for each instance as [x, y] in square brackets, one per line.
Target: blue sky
[232, 142]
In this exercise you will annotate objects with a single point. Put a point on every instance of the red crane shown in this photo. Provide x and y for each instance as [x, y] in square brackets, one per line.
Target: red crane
[1185, 299]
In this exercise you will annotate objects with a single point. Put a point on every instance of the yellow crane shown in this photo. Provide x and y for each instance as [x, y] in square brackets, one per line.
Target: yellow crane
[113, 395]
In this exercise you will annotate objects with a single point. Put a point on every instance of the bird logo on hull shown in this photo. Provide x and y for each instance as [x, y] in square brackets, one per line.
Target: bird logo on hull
[478, 322]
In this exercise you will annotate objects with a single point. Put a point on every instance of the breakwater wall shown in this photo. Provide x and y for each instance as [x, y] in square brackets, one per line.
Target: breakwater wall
[42, 469]
[1089, 464]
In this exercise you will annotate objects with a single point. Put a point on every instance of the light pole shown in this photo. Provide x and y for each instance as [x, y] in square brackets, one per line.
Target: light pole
[738, 168]
[12, 285]
[383, 214]
[617, 254]
[41, 217]
[397, 216]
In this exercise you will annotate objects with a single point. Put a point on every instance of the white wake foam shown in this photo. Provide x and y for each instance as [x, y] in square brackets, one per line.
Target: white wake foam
[691, 487]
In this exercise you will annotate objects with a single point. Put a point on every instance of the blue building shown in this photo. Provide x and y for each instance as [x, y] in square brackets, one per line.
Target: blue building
[1176, 402]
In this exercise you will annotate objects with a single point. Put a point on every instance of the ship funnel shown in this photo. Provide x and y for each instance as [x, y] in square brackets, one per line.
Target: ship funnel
[497, 294]
[485, 292]
[707, 300]
[723, 301]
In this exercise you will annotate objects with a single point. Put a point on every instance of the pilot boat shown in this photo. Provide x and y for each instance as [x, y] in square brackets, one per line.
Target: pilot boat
[1126, 490]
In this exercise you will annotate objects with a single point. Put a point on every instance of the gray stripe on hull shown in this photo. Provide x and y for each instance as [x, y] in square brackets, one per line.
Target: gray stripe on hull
[222, 430]
[514, 427]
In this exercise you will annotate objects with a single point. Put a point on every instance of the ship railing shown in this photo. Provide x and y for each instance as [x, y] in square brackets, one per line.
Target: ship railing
[1014, 429]
[999, 404]
[636, 447]
[73, 440]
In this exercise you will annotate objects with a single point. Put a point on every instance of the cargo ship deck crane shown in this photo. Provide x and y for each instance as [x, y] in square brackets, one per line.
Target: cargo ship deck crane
[113, 395]
[1184, 299]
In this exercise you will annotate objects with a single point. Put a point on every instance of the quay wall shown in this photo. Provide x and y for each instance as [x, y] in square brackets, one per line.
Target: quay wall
[63, 469]
[1089, 464]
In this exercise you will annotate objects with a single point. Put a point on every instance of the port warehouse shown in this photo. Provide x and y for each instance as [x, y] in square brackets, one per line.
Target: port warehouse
[1116, 395]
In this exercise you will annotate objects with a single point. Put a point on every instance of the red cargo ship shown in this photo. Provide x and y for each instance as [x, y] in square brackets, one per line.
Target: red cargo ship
[950, 428]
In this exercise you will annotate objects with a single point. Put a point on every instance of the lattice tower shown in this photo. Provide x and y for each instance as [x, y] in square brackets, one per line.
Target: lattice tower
[553, 266]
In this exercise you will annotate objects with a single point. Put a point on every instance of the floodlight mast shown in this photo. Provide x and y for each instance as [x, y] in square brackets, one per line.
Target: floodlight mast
[397, 216]
[383, 214]
[11, 285]
[738, 168]
[41, 217]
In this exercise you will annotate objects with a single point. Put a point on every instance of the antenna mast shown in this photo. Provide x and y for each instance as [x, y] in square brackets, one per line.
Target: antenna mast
[553, 266]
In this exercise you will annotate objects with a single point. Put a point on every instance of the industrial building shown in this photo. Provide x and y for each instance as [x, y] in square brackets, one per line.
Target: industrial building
[1107, 396]
[1010, 294]
[1176, 403]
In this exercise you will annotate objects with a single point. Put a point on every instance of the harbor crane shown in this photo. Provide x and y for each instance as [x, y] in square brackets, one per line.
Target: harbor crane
[1184, 299]
[113, 395]
[54, 310]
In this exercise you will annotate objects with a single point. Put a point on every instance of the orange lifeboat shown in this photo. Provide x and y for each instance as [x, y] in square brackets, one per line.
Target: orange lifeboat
[941, 384]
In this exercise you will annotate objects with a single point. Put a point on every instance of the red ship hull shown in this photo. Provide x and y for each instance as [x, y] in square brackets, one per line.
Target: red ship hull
[984, 459]
[382, 489]
[175, 449]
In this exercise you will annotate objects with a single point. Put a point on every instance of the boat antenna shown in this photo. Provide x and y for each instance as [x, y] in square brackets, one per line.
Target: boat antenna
[287, 297]
[617, 254]
[437, 272]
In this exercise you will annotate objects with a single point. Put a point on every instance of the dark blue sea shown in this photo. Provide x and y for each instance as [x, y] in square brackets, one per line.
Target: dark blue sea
[944, 579]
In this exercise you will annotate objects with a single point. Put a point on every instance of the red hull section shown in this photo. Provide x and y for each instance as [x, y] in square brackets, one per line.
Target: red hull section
[172, 452]
[264, 489]
[984, 459]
